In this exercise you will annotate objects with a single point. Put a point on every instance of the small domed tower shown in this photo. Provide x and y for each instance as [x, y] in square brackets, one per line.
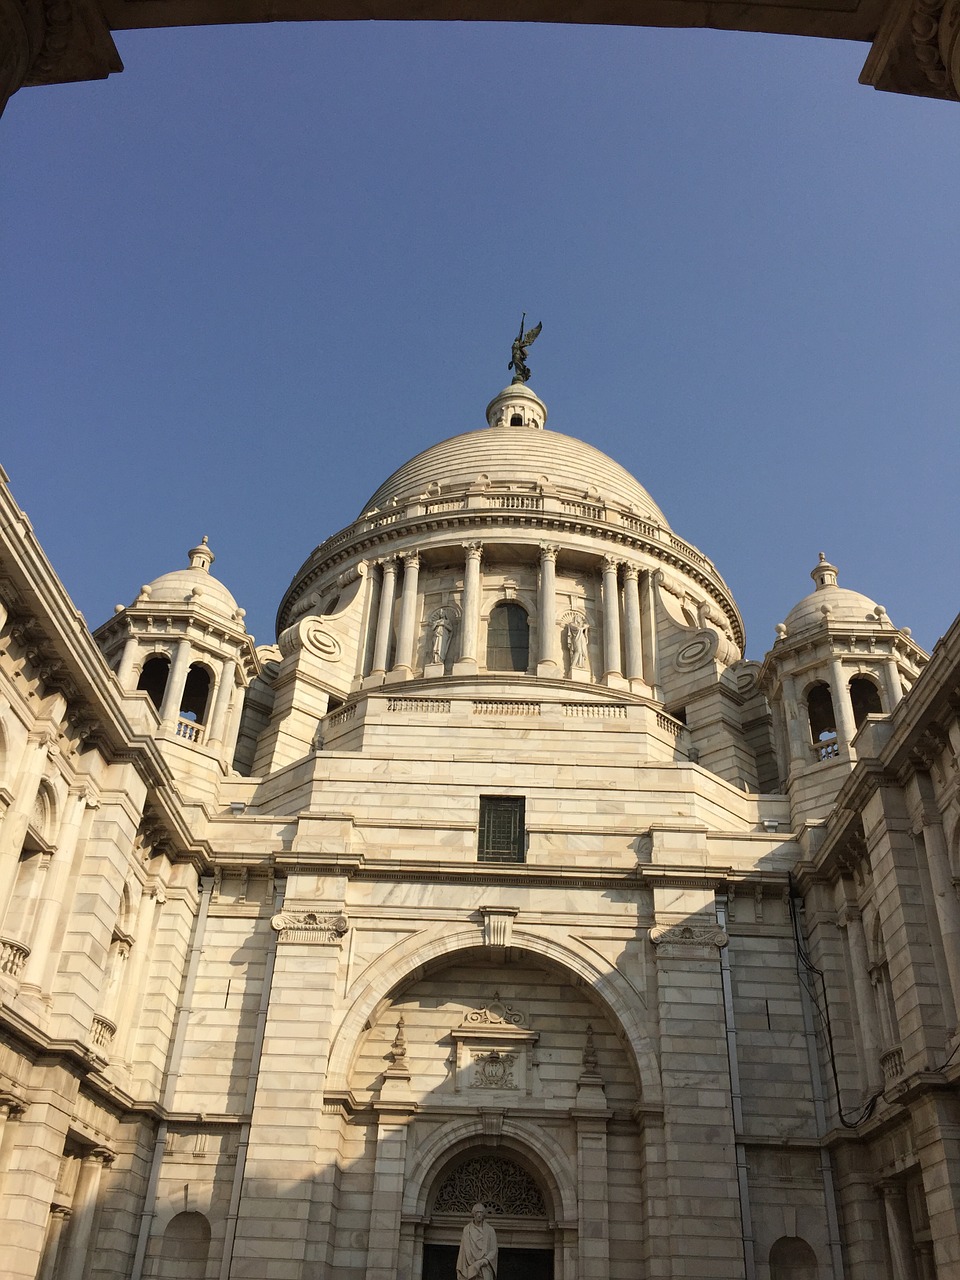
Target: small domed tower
[183, 643]
[837, 659]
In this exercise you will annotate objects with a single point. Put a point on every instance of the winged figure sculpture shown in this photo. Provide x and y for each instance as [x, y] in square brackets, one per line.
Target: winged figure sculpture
[518, 361]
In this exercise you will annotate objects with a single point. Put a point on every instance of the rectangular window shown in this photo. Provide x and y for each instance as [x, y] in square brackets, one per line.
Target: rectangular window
[502, 833]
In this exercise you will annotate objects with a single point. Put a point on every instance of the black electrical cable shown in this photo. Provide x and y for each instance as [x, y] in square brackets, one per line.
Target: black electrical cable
[822, 1007]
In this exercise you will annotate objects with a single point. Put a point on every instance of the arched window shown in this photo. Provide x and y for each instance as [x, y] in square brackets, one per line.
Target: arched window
[792, 1259]
[865, 698]
[495, 1181]
[516, 420]
[823, 721]
[153, 678]
[196, 694]
[508, 638]
[186, 1243]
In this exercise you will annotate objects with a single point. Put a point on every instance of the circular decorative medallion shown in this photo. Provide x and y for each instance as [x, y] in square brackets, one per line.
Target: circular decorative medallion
[698, 651]
[318, 640]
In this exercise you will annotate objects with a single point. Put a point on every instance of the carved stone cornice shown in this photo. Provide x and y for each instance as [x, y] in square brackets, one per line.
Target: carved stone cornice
[308, 926]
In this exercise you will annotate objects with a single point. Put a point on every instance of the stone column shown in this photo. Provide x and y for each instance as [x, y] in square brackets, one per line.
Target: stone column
[42, 961]
[611, 622]
[798, 727]
[381, 643]
[922, 800]
[592, 1197]
[176, 679]
[648, 633]
[59, 1219]
[891, 678]
[549, 664]
[631, 618]
[850, 921]
[83, 1210]
[403, 667]
[127, 662]
[221, 705]
[470, 621]
[842, 706]
[899, 1235]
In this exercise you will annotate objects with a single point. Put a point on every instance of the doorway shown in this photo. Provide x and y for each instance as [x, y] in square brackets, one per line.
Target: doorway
[440, 1263]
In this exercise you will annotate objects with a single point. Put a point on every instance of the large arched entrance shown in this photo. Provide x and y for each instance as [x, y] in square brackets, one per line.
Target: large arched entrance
[518, 1208]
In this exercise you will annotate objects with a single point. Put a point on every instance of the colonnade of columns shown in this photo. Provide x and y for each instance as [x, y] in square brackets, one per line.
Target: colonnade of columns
[837, 676]
[225, 701]
[627, 620]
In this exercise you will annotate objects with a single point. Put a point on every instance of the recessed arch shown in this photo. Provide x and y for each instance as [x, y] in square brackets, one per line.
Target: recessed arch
[864, 698]
[406, 960]
[528, 1140]
[508, 637]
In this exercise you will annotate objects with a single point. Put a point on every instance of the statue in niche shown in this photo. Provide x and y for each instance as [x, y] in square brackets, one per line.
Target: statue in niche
[578, 632]
[442, 631]
[477, 1259]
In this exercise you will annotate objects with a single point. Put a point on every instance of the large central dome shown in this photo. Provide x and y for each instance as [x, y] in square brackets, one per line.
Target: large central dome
[523, 452]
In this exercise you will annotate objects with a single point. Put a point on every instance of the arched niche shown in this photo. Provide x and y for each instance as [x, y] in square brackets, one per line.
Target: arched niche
[482, 1032]
[400, 964]
[791, 1258]
[184, 1248]
[508, 637]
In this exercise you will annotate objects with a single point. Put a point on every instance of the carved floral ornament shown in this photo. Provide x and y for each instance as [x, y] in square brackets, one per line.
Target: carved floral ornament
[308, 926]
[682, 938]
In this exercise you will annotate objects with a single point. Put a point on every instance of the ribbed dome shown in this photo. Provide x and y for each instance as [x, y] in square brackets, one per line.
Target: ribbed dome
[504, 455]
[831, 602]
[193, 585]
[843, 606]
[179, 586]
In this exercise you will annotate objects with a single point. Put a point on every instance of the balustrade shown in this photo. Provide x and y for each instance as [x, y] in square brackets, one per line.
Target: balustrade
[102, 1033]
[13, 956]
[892, 1064]
[189, 730]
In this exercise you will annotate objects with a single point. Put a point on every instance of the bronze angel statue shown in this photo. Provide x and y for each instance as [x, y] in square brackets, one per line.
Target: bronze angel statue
[521, 342]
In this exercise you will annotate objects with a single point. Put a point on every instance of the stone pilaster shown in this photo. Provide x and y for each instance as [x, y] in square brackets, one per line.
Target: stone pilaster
[888, 828]
[41, 745]
[42, 961]
[850, 921]
[929, 825]
[83, 1211]
[287, 1154]
[593, 1227]
[899, 1240]
[701, 1179]
[56, 1230]
[648, 633]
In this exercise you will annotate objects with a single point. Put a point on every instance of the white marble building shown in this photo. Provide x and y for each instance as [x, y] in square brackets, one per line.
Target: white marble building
[504, 876]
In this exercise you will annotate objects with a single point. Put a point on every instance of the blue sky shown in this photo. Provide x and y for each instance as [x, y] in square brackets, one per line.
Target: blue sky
[248, 277]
